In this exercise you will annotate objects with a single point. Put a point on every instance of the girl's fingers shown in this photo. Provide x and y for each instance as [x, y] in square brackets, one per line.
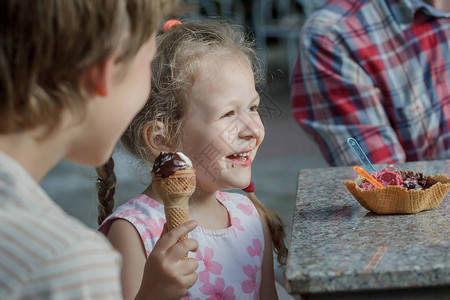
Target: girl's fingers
[170, 238]
[189, 266]
[164, 231]
[179, 250]
[190, 279]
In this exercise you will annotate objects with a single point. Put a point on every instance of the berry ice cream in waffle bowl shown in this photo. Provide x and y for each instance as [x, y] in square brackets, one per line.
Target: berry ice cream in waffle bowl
[394, 191]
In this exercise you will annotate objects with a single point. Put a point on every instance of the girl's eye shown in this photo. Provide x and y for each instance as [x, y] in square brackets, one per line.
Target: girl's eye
[254, 108]
[228, 114]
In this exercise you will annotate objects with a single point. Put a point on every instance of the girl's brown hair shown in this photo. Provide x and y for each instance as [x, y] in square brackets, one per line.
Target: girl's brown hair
[46, 45]
[180, 53]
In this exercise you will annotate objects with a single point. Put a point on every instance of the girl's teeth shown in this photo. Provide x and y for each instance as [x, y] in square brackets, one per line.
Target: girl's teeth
[241, 154]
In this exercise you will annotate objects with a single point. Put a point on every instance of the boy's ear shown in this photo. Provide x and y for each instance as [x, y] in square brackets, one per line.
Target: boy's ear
[96, 79]
[155, 136]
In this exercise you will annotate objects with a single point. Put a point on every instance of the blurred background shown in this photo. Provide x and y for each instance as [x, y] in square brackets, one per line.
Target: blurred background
[286, 150]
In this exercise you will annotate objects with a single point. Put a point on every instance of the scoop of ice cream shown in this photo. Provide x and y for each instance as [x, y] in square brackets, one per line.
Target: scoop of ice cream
[417, 181]
[168, 163]
[388, 176]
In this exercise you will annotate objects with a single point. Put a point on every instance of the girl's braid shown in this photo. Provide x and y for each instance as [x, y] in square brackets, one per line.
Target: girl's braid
[106, 187]
[274, 222]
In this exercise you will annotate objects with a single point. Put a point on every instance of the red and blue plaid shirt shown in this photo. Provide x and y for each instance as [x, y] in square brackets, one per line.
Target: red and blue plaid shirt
[378, 71]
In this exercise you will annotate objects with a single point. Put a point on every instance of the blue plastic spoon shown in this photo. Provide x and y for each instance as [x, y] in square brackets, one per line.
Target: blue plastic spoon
[361, 155]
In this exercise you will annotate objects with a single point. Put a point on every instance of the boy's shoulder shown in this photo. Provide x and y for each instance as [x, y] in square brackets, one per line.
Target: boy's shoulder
[48, 233]
[40, 244]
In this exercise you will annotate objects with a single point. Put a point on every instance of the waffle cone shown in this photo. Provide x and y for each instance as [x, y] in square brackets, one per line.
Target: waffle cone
[175, 192]
[398, 200]
[176, 189]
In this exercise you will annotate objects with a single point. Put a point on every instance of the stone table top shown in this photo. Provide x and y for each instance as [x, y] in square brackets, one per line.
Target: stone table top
[337, 245]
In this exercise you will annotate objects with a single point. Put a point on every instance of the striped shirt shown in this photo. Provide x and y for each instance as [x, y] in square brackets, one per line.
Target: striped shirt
[378, 71]
[45, 253]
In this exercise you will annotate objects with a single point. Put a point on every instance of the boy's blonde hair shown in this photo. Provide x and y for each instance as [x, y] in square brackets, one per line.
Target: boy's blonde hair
[46, 45]
[181, 51]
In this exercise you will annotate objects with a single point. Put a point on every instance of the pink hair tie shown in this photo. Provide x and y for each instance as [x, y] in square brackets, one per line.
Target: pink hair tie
[250, 188]
[169, 24]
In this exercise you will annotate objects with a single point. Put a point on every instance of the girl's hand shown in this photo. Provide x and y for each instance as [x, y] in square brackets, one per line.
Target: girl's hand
[166, 275]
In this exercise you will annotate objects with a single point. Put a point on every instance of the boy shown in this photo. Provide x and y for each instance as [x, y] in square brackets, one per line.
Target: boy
[72, 76]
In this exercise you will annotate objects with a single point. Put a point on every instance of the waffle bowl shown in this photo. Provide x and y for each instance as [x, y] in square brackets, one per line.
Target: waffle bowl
[399, 200]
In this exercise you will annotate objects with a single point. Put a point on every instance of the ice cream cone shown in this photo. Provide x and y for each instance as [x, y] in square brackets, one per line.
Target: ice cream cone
[174, 182]
[176, 187]
[175, 192]
[398, 200]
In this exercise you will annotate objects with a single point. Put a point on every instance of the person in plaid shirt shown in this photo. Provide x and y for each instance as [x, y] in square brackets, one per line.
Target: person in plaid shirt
[378, 71]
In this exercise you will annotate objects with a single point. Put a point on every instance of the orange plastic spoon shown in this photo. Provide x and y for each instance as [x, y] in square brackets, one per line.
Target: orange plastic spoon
[368, 177]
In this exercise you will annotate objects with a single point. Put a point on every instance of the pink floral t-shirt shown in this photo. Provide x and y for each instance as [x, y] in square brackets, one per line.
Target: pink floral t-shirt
[229, 259]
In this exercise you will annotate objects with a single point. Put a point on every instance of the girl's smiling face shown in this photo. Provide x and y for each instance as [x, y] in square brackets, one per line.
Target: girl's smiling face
[222, 129]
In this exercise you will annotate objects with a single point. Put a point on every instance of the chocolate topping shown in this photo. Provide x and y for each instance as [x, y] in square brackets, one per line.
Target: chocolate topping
[168, 163]
[417, 179]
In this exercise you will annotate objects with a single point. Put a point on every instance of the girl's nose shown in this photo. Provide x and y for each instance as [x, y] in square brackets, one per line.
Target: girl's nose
[250, 127]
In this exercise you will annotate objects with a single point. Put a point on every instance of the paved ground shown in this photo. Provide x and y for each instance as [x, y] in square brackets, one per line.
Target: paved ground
[285, 150]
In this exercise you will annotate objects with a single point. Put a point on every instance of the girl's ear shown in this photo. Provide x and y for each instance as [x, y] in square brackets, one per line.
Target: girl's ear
[155, 136]
[97, 79]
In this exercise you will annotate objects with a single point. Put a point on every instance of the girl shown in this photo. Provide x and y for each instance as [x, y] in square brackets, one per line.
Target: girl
[204, 103]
